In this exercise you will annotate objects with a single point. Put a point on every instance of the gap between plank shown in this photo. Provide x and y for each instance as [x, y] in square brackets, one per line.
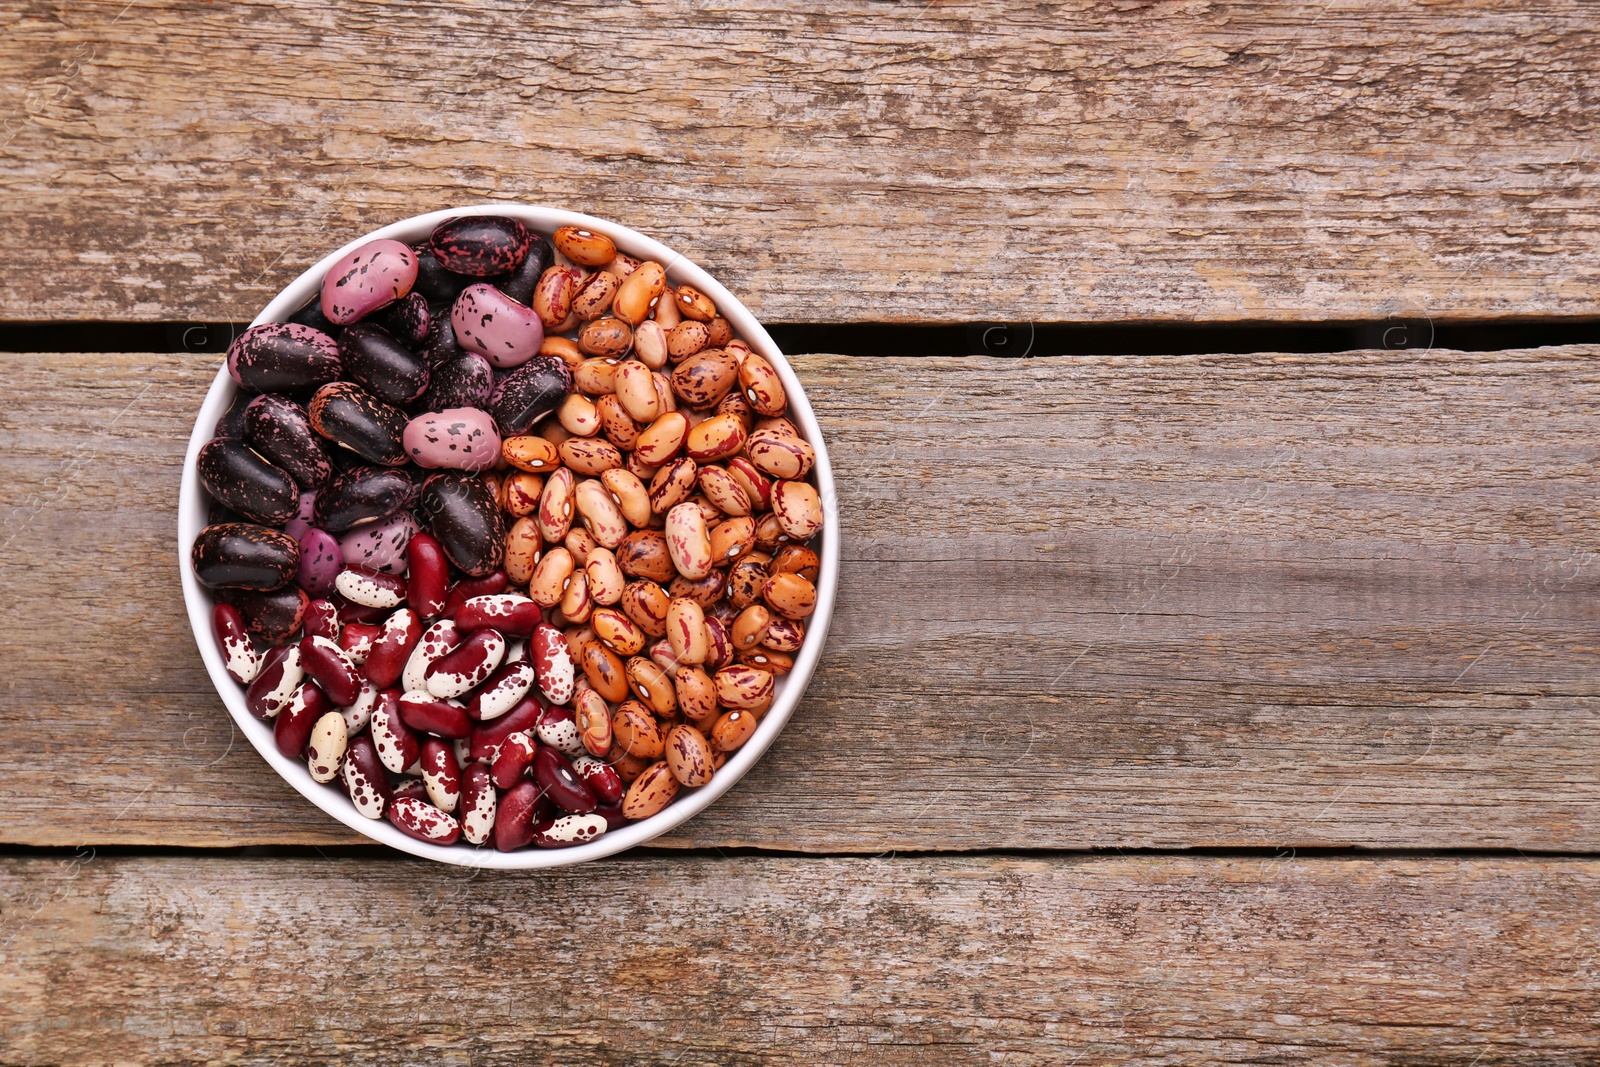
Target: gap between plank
[381, 853]
[1013, 339]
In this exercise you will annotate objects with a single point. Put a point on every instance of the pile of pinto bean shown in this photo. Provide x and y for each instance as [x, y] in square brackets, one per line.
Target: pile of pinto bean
[509, 537]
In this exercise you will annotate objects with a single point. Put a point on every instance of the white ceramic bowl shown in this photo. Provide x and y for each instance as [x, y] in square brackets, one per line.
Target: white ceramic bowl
[192, 518]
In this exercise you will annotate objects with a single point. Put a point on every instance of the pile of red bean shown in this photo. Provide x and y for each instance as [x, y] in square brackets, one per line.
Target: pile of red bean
[483, 622]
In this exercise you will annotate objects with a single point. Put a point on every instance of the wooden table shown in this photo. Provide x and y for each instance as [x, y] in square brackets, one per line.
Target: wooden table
[1179, 708]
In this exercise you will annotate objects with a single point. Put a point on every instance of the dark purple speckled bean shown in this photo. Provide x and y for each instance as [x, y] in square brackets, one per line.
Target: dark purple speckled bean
[518, 284]
[376, 360]
[280, 430]
[283, 357]
[466, 520]
[467, 381]
[529, 393]
[380, 546]
[480, 245]
[244, 556]
[240, 479]
[363, 494]
[350, 416]
[408, 319]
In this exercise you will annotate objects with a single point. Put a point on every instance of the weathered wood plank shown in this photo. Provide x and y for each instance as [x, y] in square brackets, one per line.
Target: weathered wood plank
[1224, 600]
[839, 162]
[705, 961]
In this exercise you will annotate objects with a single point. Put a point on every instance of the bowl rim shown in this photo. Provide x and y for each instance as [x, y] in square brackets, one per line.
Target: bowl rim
[198, 600]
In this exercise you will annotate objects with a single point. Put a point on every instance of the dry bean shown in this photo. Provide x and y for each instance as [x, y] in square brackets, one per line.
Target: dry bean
[742, 686]
[686, 631]
[733, 729]
[620, 633]
[553, 431]
[576, 605]
[687, 541]
[616, 423]
[589, 455]
[640, 469]
[768, 659]
[779, 454]
[761, 385]
[639, 292]
[606, 337]
[652, 684]
[703, 591]
[530, 453]
[593, 719]
[661, 440]
[636, 730]
[580, 542]
[644, 554]
[523, 549]
[606, 581]
[663, 656]
[563, 348]
[646, 604]
[594, 296]
[784, 635]
[549, 580]
[554, 516]
[704, 378]
[769, 533]
[650, 344]
[723, 490]
[746, 580]
[552, 298]
[519, 493]
[693, 304]
[578, 416]
[750, 628]
[667, 313]
[584, 246]
[637, 391]
[651, 791]
[596, 377]
[798, 508]
[685, 340]
[736, 405]
[790, 595]
[720, 330]
[689, 755]
[697, 697]
[796, 559]
[717, 438]
[672, 484]
[605, 672]
[630, 496]
[732, 538]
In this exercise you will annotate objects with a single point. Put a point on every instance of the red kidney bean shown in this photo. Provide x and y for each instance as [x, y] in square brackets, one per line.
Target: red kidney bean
[466, 666]
[322, 620]
[552, 661]
[511, 764]
[239, 656]
[522, 807]
[274, 617]
[358, 713]
[428, 577]
[569, 830]
[487, 739]
[612, 814]
[356, 640]
[427, 714]
[421, 820]
[325, 661]
[478, 799]
[292, 729]
[511, 613]
[467, 588]
[370, 588]
[503, 691]
[435, 643]
[441, 774]
[398, 747]
[276, 682]
[568, 791]
[365, 782]
[558, 728]
[600, 777]
[393, 647]
[351, 613]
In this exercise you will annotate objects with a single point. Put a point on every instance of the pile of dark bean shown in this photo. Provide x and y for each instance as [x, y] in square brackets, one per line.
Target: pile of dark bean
[484, 624]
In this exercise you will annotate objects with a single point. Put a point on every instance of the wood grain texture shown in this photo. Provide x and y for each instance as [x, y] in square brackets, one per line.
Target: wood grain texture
[800, 961]
[1086, 602]
[848, 161]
